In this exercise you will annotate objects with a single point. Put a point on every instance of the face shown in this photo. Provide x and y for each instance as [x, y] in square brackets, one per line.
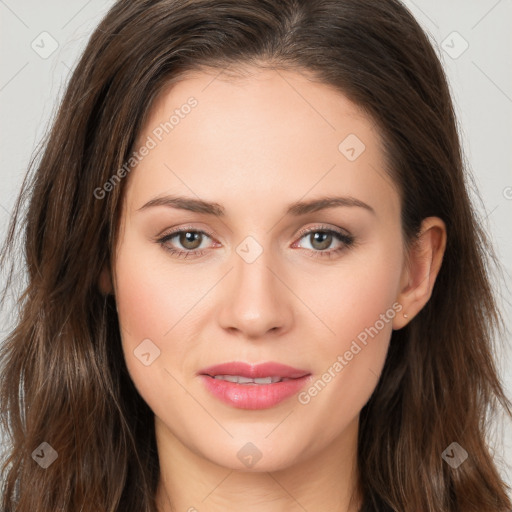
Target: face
[261, 233]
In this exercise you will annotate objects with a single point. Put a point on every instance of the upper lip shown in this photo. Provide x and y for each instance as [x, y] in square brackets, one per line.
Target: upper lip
[254, 371]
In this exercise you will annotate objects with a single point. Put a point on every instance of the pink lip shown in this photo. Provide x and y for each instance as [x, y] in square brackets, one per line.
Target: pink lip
[254, 396]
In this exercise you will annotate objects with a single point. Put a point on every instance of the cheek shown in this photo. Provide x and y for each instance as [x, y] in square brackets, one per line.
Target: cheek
[160, 302]
[149, 303]
[355, 294]
[141, 298]
[150, 298]
[359, 305]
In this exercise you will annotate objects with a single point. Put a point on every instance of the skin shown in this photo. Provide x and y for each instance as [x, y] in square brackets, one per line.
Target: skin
[254, 145]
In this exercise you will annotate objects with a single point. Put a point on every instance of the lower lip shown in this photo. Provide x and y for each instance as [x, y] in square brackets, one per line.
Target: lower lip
[253, 396]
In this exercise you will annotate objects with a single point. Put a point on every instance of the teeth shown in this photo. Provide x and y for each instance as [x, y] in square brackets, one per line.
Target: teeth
[238, 379]
[246, 380]
[229, 378]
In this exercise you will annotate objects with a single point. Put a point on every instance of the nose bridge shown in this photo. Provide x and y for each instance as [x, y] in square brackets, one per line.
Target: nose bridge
[256, 301]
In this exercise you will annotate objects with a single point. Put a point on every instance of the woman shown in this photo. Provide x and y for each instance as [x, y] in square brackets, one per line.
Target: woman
[255, 278]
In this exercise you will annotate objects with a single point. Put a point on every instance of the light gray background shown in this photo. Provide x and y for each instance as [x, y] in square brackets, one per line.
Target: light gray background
[480, 78]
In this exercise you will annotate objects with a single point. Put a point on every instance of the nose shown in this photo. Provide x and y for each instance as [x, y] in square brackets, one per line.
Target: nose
[256, 302]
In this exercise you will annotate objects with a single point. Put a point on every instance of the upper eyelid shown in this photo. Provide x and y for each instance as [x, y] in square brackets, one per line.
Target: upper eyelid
[313, 229]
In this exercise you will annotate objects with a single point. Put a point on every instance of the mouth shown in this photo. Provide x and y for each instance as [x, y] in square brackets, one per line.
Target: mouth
[245, 386]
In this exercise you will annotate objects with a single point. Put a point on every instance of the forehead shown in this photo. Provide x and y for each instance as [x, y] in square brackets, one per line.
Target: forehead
[251, 135]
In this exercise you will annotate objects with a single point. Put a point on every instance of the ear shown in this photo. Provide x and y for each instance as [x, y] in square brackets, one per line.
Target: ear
[421, 269]
[105, 281]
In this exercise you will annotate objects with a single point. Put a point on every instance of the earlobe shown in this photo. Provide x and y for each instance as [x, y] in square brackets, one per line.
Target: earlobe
[424, 261]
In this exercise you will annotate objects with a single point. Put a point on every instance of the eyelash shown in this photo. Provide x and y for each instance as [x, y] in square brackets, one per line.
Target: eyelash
[347, 240]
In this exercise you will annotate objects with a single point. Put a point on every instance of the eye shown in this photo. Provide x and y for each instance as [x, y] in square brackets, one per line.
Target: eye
[325, 242]
[184, 242]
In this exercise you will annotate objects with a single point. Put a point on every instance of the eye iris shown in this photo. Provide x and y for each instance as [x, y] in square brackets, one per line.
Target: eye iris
[323, 238]
[190, 240]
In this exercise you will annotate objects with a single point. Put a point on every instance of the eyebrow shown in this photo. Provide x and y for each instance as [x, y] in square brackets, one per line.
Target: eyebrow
[298, 208]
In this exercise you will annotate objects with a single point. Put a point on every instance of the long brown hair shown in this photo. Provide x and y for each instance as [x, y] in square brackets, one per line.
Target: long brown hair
[64, 380]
